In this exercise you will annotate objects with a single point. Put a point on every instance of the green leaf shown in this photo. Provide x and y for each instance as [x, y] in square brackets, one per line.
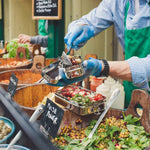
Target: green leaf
[85, 142]
[71, 147]
[143, 139]
[113, 129]
[12, 49]
[90, 148]
[135, 148]
[146, 144]
[133, 136]
[124, 146]
[67, 138]
[75, 142]
[6, 55]
[131, 128]
[111, 145]
[130, 119]
[88, 130]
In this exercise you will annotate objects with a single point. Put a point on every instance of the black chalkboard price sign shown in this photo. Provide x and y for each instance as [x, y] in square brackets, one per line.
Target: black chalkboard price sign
[47, 9]
[51, 118]
[12, 84]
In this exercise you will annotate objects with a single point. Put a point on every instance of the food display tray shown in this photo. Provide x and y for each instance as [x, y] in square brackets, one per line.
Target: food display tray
[76, 70]
[97, 107]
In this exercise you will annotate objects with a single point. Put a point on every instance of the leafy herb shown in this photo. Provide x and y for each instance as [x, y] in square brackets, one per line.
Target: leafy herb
[12, 49]
[112, 134]
[111, 145]
[131, 120]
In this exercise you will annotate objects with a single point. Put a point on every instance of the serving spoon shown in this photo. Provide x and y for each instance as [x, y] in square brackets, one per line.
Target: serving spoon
[108, 105]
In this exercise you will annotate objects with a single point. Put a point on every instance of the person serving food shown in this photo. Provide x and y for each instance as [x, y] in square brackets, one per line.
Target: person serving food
[132, 24]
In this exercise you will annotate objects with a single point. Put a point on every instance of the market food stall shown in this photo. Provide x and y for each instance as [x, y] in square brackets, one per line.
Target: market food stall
[37, 114]
[71, 117]
[117, 128]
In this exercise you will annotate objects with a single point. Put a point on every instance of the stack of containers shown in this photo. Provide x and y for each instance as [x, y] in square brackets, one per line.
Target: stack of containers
[108, 87]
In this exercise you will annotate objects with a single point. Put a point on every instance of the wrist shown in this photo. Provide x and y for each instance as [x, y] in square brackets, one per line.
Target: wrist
[102, 65]
[105, 68]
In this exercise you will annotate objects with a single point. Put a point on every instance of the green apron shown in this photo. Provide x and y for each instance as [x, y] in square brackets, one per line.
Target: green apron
[42, 31]
[137, 43]
[41, 28]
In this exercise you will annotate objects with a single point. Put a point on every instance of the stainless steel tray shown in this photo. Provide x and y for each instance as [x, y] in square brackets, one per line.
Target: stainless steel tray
[96, 107]
[75, 70]
[51, 72]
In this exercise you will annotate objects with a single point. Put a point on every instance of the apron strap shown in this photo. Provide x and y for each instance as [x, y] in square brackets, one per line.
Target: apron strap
[126, 12]
[136, 6]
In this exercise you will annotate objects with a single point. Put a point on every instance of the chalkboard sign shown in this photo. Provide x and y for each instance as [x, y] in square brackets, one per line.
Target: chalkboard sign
[47, 9]
[12, 86]
[51, 118]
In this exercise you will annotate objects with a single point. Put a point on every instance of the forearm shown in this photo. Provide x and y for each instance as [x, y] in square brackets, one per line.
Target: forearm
[42, 40]
[134, 69]
[120, 70]
[99, 18]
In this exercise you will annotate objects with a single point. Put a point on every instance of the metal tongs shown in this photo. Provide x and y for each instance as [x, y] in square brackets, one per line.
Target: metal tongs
[52, 73]
[65, 60]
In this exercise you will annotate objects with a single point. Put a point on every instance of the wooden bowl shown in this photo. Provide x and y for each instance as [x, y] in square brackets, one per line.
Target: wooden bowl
[49, 61]
[29, 96]
[25, 76]
[2, 52]
[4, 61]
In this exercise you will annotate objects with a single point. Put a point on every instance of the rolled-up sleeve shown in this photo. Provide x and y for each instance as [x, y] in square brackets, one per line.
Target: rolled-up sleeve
[42, 40]
[140, 70]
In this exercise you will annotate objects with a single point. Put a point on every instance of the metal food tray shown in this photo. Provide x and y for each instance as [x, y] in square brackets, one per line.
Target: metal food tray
[74, 70]
[97, 107]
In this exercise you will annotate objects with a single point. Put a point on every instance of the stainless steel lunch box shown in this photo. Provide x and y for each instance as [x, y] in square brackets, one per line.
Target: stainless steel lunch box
[97, 107]
[51, 72]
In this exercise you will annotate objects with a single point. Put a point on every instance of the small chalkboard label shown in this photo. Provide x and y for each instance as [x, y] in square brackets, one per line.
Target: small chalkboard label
[12, 84]
[47, 9]
[51, 118]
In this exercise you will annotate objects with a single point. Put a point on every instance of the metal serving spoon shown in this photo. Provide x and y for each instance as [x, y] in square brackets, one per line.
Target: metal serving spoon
[110, 102]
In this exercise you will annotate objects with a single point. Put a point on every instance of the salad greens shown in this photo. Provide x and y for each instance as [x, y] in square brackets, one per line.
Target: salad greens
[112, 134]
[82, 100]
[12, 49]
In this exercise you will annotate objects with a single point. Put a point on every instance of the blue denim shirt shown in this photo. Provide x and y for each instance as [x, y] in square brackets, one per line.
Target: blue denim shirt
[112, 12]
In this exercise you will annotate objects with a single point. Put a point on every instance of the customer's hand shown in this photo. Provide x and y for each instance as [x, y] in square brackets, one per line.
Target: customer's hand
[78, 35]
[23, 38]
[91, 67]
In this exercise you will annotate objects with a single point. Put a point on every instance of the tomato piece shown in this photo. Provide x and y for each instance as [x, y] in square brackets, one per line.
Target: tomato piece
[98, 97]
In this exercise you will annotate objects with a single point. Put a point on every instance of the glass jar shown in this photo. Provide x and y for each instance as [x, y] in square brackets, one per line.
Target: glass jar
[95, 82]
[1, 46]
